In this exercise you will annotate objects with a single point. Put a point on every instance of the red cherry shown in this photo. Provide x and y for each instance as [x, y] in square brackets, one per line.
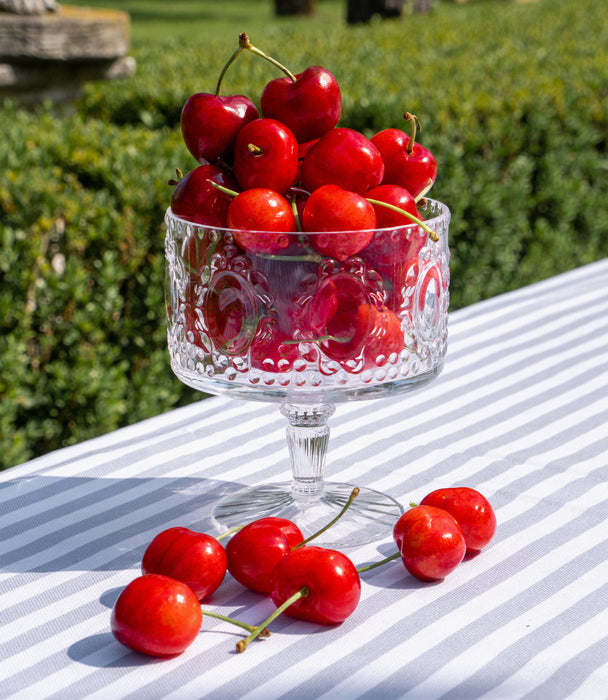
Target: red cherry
[385, 337]
[404, 240]
[392, 250]
[397, 197]
[263, 217]
[266, 155]
[399, 282]
[230, 311]
[343, 157]
[210, 124]
[414, 168]
[303, 149]
[430, 541]
[471, 509]
[324, 304]
[254, 551]
[339, 316]
[195, 199]
[194, 558]
[347, 331]
[156, 615]
[332, 581]
[309, 106]
[275, 353]
[347, 217]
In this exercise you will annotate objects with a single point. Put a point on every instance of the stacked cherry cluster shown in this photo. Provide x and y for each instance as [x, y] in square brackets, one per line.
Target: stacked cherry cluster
[290, 171]
[293, 165]
[159, 612]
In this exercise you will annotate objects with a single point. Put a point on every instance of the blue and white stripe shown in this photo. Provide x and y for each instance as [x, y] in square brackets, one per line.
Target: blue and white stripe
[520, 412]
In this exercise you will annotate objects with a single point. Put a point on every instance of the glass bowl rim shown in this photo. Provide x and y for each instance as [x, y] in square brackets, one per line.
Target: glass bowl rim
[442, 214]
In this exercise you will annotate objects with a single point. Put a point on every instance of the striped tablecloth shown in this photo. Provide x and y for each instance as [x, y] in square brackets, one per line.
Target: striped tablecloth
[520, 412]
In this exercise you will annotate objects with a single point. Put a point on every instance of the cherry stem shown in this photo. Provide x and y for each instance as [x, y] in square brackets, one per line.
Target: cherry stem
[221, 188]
[296, 214]
[415, 122]
[264, 632]
[354, 493]
[432, 234]
[180, 176]
[318, 340]
[244, 43]
[430, 183]
[242, 644]
[333, 338]
[230, 61]
[375, 565]
[229, 532]
[313, 257]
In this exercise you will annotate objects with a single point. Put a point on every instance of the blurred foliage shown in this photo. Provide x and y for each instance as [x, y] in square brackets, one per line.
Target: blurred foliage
[513, 100]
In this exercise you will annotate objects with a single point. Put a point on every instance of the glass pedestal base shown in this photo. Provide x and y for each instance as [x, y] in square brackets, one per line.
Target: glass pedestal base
[370, 518]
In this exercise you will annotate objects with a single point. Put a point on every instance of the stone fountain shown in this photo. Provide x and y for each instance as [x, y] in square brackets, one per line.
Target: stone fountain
[47, 50]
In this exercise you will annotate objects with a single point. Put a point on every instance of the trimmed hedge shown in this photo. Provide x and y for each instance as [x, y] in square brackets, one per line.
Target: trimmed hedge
[82, 266]
[513, 100]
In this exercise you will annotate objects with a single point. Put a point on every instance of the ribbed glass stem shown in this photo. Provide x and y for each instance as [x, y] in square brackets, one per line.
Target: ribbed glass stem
[307, 438]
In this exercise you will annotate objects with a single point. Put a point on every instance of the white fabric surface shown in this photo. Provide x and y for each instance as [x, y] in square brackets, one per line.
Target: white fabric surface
[520, 412]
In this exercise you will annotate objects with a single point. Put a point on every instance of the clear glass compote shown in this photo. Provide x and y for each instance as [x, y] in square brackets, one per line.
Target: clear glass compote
[295, 326]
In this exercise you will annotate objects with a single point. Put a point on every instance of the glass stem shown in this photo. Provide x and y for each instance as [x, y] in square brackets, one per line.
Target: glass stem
[307, 438]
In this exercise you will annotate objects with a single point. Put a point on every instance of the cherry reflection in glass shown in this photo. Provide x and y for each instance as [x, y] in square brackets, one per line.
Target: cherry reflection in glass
[309, 323]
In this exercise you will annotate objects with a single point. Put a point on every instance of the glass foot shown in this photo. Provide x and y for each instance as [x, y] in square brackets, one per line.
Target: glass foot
[370, 518]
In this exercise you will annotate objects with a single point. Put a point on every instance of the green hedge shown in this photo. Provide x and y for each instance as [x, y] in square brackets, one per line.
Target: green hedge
[82, 269]
[513, 101]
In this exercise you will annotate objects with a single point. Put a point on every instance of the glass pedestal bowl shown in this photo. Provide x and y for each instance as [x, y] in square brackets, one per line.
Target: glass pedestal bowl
[289, 324]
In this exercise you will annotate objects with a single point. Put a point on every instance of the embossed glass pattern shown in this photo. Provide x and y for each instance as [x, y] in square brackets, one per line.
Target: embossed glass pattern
[288, 324]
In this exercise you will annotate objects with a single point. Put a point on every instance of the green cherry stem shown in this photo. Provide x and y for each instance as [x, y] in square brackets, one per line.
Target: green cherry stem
[230, 61]
[264, 632]
[290, 258]
[432, 234]
[296, 214]
[244, 43]
[221, 188]
[430, 183]
[416, 127]
[415, 122]
[318, 340]
[375, 565]
[229, 532]
[242, 644]
[354, 493]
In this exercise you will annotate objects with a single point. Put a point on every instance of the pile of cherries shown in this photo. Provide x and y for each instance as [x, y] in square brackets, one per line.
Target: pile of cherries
[159, 613]
[276, 174]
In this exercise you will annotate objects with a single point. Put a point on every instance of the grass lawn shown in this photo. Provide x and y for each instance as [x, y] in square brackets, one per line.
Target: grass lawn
[208, 19]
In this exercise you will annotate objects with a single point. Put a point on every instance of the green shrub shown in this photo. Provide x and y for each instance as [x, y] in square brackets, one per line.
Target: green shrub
[513, 100]
[82, 270]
